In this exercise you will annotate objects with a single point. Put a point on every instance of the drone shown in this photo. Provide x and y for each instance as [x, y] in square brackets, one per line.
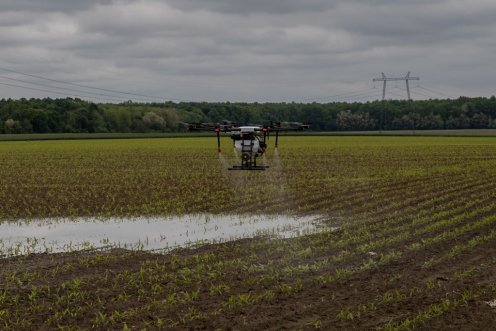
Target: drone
[249, 140]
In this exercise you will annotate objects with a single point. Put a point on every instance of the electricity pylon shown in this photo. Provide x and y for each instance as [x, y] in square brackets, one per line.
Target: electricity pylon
[385, 79]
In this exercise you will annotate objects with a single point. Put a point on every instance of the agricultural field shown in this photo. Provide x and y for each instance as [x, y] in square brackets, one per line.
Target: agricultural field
[404, 235]
[79, 136]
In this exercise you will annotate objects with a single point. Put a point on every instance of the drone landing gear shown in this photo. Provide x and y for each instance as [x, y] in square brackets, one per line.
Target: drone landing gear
[248, 162]
[253, 167]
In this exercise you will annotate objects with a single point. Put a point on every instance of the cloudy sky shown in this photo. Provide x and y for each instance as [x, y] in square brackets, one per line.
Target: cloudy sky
[245, 50]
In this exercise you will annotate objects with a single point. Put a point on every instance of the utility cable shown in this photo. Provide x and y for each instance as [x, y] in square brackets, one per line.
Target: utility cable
[81, 85]
[433, 91]
[113, 97]
[336, 95]
[415, 92]
[360, 95]
[53, 92]
[423, 94]
[364, 96]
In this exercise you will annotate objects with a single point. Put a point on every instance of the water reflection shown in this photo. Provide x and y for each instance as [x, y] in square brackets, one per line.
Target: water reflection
[149, 233]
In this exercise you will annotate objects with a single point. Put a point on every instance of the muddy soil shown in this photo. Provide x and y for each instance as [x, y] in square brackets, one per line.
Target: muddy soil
[310, 305]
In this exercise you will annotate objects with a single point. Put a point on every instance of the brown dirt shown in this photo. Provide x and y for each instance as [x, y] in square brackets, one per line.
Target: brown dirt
[313, 306]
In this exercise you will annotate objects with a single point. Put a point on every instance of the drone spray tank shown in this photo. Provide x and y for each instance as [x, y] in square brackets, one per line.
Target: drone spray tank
[250, 145]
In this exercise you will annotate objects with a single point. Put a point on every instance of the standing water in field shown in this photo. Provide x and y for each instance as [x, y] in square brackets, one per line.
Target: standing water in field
[148, 233]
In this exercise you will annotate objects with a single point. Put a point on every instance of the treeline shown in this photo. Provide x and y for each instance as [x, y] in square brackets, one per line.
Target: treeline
[79, 116]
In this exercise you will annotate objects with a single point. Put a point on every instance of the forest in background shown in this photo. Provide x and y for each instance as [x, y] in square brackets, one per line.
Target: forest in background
[78, 116]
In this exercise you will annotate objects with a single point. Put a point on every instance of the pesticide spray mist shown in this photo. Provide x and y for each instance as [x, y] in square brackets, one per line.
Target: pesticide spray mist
[223, 162]
[237, 179]
[273, 178]
[276, 162]
[278, 180]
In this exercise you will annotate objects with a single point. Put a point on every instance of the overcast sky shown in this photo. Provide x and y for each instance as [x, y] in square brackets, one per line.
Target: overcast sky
[246, 50]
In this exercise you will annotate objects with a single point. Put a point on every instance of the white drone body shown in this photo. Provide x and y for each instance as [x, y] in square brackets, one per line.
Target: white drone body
[246, 140]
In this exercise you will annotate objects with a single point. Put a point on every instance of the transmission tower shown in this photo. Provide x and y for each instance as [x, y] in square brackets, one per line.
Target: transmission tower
[385, 79]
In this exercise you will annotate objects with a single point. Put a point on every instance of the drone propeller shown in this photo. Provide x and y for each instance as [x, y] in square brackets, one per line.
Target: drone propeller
[286, 126]
[289, 126]
[216, 127]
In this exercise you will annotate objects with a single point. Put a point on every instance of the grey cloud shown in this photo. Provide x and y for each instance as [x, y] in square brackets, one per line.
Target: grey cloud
[254, 6]
[49, 5]
[278, 7]
[270, 50]
[415, 23]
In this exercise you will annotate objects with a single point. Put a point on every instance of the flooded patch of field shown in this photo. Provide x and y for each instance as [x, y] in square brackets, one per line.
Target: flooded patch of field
[145, 233]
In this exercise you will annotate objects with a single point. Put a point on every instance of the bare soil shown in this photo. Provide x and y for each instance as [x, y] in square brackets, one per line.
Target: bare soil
[313, 306]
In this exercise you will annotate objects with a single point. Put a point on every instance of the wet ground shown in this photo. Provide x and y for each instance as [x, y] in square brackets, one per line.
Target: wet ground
[146, 233]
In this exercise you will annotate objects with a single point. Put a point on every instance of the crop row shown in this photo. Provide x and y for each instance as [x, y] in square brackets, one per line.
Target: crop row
[411, 240]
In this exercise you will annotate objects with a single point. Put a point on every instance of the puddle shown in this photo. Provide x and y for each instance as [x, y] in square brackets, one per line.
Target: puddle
[145, 233]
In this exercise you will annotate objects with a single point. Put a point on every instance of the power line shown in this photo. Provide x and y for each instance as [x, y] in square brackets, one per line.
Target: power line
[64, 94]
[425, 95]
[355, 96]
[81, 85]
[416, 92]
[398, 95]
[364, 96]
[336, 95]
[433, 91]
[64, 88]
[432, 95]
